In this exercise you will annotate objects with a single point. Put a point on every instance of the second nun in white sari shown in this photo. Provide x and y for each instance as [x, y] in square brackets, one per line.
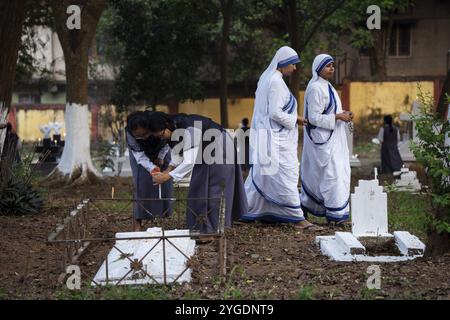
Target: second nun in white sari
[325, 166]
[272, 184]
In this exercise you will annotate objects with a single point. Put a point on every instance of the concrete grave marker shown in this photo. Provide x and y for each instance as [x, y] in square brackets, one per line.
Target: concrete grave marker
[408, 180]
[404, 146]
[369, 210]
[369, 219]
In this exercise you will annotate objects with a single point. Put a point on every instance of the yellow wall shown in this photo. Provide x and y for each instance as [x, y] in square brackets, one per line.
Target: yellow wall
[29, 121]
[237, 109]
[391, 97]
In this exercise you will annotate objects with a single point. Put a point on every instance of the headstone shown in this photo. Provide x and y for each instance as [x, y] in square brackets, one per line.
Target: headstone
[369, 210]
[408, 180]
[124, 161]
[354, 161]
[404, 146]
[121, 262]
[369, 219]
[46, 129]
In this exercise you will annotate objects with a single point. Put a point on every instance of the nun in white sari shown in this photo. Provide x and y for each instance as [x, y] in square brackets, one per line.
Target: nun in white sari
[325, 166]
[272, 184]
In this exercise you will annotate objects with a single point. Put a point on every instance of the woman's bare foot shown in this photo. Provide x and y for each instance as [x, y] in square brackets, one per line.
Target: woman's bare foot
[306, 225]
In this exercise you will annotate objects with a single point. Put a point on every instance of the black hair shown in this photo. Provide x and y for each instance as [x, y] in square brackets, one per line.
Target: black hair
[388, 121]
[160, 121]
[245, 122]
[138, 119]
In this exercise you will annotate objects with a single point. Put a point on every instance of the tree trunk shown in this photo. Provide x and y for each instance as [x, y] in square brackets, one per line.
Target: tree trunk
[76, 164]
[12, 15]
[226, 6]
[379, 53]
[442, 103]
[292, 26]
[437, 244]
[173, 106]
[377, 58]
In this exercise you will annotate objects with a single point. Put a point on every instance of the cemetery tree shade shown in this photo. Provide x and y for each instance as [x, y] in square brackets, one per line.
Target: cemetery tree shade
[226, 8]
[432, 151]
[303, 20]
[12, 15]
[160, 62]
[76, 164]
[443, 102]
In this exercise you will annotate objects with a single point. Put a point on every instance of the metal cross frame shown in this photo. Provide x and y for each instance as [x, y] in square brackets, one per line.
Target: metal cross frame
[72, 238]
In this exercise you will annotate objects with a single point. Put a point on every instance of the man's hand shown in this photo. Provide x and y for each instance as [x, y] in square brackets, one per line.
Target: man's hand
[160, 177]
[3, 125]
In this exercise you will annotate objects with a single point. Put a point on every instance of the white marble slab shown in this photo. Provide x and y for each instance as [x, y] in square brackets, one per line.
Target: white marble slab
[119, 264]
[408, 244]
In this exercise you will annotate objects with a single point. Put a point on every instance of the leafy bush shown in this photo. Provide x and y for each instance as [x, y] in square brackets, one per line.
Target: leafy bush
[103, 153]
[430, 150]
[19, 197]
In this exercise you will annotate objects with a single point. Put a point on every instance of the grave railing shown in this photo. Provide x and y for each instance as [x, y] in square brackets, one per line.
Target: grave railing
[76, 234]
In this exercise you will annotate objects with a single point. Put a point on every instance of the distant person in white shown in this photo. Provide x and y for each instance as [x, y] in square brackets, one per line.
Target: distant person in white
[273, 194]
[325, 166]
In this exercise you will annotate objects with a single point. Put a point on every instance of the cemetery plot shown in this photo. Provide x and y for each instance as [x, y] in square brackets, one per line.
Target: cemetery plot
[162, 254]
[264, 261]
[370, 240]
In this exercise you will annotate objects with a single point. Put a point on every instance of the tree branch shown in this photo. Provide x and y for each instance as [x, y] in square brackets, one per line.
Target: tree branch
[59, 10]
[325, 15]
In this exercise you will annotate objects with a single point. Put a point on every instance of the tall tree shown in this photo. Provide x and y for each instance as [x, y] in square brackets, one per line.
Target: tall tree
[160, 63]
[76, 164]
[352, 21]
[226, 9]
[12, 15]
[305, 20]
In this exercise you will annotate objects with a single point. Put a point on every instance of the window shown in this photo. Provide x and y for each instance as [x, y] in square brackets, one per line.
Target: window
[29, 98]
[400, 41]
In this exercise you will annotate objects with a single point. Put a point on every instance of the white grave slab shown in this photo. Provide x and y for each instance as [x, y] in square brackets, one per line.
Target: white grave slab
[404, 146]
[369, 210]
[408, 244]
[119, 265]
[408, 180]
[354, 161]
[369, 219]
[336, 252]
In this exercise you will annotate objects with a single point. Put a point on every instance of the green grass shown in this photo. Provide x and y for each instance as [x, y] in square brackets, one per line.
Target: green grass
[368, 294]
[365, 148]
[148, 292]
[3, 294]
[306, 292]
[409, 212]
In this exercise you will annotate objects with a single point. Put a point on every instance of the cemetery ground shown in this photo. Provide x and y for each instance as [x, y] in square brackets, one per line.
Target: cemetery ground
[265, 261]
